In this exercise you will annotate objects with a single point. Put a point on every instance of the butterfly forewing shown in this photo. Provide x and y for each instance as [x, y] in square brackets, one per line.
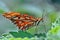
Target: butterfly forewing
[22, 21]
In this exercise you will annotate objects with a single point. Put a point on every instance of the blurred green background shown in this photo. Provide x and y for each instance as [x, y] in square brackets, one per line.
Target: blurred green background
[37, 8]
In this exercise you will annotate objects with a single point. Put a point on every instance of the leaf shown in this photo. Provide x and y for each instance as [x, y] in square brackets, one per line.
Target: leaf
[21, 34]
[52, 16]
[54, 30]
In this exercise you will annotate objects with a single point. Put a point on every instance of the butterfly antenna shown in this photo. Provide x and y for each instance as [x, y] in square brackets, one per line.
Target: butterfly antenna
[44, 16]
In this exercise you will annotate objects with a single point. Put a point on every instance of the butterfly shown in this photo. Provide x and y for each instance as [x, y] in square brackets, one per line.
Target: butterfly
[22, 21]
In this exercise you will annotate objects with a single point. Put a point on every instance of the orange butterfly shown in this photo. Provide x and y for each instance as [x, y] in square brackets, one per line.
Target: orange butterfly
[22, 21]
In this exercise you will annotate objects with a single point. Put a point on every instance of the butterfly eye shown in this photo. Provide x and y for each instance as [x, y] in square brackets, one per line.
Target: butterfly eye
[38, 21]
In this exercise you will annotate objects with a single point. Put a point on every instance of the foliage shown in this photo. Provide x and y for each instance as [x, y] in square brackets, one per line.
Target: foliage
[54, 33]
[1, 11]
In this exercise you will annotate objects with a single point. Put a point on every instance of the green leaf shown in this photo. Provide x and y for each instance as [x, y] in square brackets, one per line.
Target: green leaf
[52, 16]
[54, 30]
[21, 34]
